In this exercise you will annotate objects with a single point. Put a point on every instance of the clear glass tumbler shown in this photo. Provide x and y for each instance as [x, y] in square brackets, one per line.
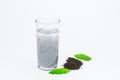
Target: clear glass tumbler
[47, 42]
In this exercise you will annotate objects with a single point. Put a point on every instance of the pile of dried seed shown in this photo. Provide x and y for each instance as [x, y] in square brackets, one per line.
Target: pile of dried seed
[73, 64]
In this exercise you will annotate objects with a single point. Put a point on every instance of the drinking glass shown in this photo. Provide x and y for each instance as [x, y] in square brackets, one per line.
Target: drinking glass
[47, 30]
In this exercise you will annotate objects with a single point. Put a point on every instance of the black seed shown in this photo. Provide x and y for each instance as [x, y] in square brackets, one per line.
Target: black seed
[73, 64]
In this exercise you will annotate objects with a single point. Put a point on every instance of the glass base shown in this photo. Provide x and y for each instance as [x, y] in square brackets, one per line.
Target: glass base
[46, 69]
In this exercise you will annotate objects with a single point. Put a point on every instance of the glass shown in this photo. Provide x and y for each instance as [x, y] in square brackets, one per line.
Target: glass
[47, 42]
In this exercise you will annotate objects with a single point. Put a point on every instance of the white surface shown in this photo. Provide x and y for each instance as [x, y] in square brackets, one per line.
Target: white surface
[88, 26]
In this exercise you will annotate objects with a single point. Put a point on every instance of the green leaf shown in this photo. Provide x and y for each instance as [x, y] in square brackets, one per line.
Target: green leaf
[83, 57]
[59, 71]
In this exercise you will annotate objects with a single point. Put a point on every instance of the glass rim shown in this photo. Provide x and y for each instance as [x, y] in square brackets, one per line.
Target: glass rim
[47, 21]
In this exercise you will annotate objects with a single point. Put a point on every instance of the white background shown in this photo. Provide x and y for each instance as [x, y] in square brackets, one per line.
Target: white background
[87, 26]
